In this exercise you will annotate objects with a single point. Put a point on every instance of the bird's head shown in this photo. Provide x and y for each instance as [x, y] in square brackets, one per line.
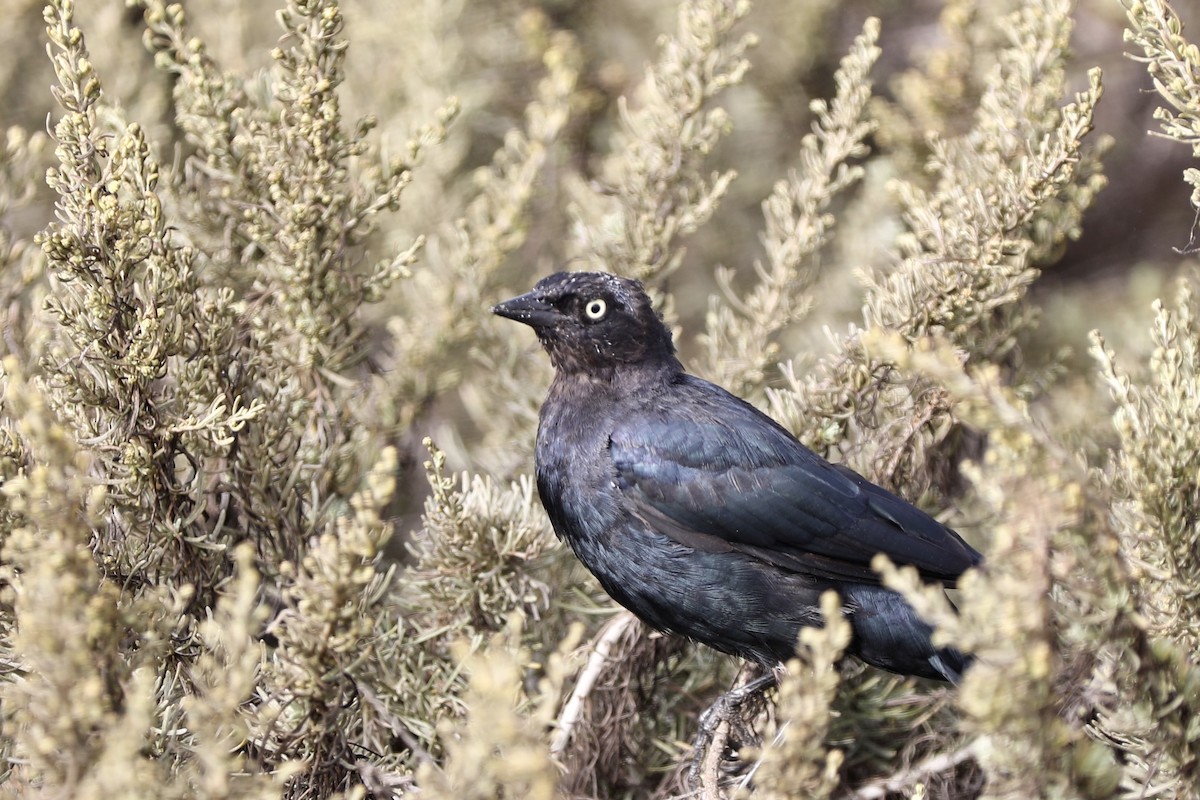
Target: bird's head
[593, 323]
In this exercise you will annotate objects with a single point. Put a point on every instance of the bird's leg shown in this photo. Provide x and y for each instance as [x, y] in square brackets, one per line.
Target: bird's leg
[734, 699]
[715, 723]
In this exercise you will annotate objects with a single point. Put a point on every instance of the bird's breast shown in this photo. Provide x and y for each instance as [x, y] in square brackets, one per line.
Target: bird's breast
[575, 480]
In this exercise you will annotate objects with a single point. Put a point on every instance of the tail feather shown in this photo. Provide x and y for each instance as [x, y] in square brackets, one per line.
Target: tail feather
[951, 664]
[890, 635]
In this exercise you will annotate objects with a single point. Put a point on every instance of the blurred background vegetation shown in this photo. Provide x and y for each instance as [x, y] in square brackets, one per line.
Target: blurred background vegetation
[267, 527]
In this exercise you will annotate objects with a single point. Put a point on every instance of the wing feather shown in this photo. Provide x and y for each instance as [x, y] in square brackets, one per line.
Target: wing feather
[730, 478]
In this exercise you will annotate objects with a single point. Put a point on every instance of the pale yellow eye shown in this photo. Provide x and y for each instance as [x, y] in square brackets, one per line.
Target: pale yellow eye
[596, 309]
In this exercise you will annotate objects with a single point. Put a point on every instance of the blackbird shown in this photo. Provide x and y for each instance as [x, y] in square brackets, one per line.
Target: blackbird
[702, 515]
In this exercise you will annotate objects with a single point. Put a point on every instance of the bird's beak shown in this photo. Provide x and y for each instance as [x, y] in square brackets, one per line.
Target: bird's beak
[528, 308]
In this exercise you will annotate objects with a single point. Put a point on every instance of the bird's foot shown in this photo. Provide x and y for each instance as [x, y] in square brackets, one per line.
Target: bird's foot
[724, 727]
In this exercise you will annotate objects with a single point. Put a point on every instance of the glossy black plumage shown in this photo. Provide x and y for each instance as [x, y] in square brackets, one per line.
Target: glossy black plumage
[701, 514]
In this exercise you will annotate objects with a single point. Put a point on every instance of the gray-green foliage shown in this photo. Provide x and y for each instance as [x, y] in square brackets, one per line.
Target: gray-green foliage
[1174, 64]
[225, 331]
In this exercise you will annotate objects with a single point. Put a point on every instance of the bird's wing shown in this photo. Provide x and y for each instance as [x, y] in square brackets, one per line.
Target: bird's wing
[729, 478]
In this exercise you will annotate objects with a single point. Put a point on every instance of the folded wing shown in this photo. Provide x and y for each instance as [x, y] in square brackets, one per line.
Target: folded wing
[730, 478]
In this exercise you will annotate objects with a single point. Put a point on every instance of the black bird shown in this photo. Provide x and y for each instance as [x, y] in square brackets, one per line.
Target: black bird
[702, 515]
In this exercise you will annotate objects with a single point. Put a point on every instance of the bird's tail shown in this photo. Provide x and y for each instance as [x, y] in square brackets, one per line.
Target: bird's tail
[889, 634]
[951, 664]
